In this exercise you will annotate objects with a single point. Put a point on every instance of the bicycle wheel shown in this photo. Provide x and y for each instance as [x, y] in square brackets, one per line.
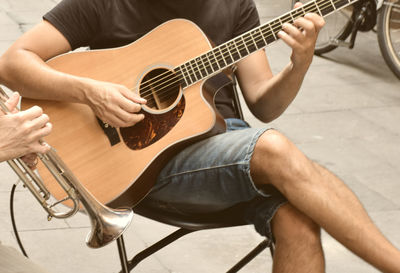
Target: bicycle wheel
[388, 27]
[337, 28]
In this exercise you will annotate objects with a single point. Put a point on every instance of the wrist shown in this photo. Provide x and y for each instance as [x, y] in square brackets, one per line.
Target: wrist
[84, 91]
[299, 68]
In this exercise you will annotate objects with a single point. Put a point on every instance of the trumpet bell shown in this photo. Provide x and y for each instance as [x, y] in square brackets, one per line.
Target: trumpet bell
[107, 228]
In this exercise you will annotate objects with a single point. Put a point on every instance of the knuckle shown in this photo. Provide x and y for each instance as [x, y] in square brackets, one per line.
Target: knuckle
[37, 109]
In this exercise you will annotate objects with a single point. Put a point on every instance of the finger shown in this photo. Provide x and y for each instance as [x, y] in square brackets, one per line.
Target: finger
[297, 4]
[114, 121]
[29, 157]
[40, 121]
[290, 41]
[12, 102]
[42, 132]
[41, 148]
[129, 119]
[130, 95]
[294, 32]
[31, 113]
[318, 21]
[30, 160]
[307, 26]
[130, 106]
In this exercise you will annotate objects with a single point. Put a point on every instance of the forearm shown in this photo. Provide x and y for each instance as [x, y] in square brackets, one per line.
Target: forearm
[24, 71]
[273, 96]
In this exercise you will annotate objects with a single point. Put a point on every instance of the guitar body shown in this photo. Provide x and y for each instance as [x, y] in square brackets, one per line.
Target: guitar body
[120, 174]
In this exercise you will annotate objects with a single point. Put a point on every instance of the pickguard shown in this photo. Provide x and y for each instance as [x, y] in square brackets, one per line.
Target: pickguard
[152, 128]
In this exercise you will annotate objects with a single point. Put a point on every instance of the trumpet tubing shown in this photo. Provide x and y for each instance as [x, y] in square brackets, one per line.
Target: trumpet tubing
[107, 224]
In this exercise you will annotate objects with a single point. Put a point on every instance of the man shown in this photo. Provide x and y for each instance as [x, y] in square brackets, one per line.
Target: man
[250, 164]
[19, 136]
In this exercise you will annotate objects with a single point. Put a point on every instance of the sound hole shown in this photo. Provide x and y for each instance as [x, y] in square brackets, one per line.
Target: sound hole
[160, 87]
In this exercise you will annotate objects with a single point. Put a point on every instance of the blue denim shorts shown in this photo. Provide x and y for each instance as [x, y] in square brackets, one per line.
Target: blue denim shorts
[214, 174]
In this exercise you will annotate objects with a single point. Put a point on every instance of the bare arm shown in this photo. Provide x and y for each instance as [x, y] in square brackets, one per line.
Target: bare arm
[23, 68]
[267, 95]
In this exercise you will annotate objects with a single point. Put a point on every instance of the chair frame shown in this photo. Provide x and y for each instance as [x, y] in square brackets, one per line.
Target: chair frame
[189, 224]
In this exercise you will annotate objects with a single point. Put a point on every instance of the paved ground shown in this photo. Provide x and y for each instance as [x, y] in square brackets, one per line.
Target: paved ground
[345, 117]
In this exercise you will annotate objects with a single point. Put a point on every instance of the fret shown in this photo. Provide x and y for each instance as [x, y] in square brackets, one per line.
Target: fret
[182, 76]
[189, 72]
[201, 66]
[316, 5]
[196, 69]
[245, 47]
[311, 7]
[272, 32]
[328, 8]
[286, 19]
[280, 22]
[212, 59]
[221, 61]
[195, 75]
[228, 53]
[302, 8]
[258, 39]
[333, 5]
[262, 35]
[297, 13]
[230, 46]
[228, 58]
[185, 74]
[234, 46]
[275, 27]
[291, 16]
[269, 34]
[253, 45]
[207, 64]
[239, 47]
[340, 3]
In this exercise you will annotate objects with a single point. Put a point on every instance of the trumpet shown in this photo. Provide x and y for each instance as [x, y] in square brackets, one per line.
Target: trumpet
[107, 224]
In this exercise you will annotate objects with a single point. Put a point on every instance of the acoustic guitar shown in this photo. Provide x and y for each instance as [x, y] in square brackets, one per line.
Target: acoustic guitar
[169, 67]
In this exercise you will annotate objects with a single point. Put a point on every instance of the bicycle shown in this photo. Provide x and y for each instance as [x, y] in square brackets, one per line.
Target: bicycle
[364, 16]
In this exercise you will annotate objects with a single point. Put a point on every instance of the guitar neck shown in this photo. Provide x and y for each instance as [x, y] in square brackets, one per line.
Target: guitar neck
[238, 48]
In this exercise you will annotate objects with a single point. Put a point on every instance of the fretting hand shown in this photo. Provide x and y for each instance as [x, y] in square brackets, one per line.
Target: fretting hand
[301, 36]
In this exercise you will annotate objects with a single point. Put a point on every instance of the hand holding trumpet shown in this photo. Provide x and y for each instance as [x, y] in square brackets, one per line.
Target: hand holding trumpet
[20, 132]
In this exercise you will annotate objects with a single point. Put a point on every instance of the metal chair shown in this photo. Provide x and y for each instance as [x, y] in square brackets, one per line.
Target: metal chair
[231, 217]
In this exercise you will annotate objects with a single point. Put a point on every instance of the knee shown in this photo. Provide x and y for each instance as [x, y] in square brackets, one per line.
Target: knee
[292, 227]
[276, 160]
[273, 144]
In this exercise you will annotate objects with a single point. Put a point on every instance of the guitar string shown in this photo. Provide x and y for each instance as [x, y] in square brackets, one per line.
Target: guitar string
[254, 41]
[304, 7]
[204, 68]
[165, 90]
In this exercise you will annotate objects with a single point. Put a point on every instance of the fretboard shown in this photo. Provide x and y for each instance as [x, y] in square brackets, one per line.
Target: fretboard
[226, 54]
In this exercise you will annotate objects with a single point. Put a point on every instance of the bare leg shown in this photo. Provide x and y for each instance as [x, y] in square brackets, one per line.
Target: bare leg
[323, 197]
[297, 239]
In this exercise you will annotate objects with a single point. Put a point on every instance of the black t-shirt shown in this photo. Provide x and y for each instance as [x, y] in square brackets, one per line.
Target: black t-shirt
[112, 23]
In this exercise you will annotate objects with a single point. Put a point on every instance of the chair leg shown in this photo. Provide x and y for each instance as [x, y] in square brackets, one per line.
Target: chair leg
[122, 254]
[251, 255]
[127, 266]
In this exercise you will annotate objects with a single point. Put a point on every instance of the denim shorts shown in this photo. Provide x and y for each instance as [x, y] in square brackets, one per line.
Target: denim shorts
[214, 174]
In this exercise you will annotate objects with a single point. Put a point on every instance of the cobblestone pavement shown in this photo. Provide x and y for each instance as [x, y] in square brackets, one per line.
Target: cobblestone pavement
[345, 118]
